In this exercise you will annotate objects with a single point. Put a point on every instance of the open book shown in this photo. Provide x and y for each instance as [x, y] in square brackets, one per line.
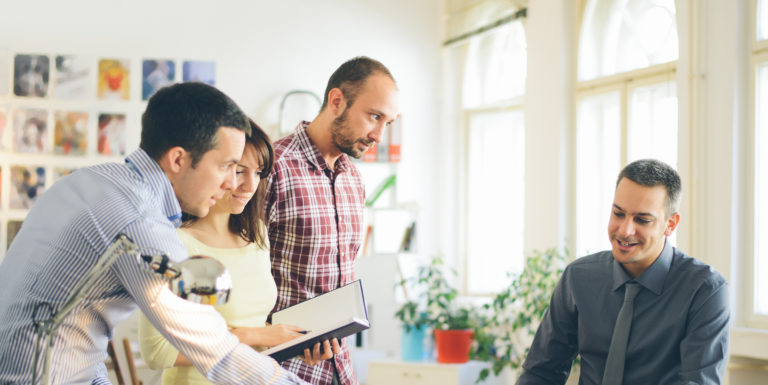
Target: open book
[335, 314]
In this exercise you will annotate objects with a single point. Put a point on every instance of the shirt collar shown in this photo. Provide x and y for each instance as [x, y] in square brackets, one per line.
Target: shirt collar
[313, 154]
[653, 278]
[149, 171]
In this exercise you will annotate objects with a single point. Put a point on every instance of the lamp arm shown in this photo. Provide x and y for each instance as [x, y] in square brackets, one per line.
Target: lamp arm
[45, 331]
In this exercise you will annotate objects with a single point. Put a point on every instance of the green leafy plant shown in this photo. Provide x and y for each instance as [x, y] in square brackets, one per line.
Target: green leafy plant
[436, 306]
[515, 312]
[412, 316]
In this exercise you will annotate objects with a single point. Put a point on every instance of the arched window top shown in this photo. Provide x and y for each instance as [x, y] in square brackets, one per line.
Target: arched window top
[495, 66]
[762, 20]
[619, 36]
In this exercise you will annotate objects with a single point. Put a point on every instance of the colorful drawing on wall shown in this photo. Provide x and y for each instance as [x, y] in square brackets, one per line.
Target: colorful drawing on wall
[156, 74]
[199, 71]
[5, 73]
[27, 184]
[73, 77]
[30, 130]
[60, 172]
[70, 133]
[111, 135]
[114, 79]
[13, 229]
[30, 75]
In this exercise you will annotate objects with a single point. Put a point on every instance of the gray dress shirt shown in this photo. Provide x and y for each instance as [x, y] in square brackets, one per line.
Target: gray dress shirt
[679, 330]
[64, 234]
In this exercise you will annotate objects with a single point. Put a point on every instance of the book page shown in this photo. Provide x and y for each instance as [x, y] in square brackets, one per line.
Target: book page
[327, 310]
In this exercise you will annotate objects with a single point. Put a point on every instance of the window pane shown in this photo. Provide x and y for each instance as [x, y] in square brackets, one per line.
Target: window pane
[597, 165]
[652, 123]
[495, 199]
[761, 191]
[496, 66]
[652, 126]
[618, 36]
[762, 20]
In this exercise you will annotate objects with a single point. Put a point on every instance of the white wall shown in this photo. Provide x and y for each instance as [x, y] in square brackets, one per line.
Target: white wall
[262, 49]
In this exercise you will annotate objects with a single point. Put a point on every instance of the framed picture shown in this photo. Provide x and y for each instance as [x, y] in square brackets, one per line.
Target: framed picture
[111, 135]
[156, 74]
[3, 125]
[73, 77]
[27, 184]
[114, 79]
[30, 130]
[31, 75]
[199, 71]
[13, 227]
[70, 133]
[60, 172]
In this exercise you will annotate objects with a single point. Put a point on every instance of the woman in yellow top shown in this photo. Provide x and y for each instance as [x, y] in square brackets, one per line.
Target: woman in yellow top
[234, 232]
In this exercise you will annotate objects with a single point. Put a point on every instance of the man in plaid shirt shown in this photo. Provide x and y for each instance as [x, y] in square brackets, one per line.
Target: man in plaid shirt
[315, 197]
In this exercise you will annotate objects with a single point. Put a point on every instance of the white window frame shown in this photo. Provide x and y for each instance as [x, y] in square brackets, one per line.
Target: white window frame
[514, 104]
[623, 82]
[758, 57]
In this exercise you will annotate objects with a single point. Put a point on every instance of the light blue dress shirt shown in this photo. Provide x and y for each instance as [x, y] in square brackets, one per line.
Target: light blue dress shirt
[679, 329]
[64, 234]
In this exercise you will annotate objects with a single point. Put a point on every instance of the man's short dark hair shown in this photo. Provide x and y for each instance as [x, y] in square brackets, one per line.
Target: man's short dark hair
[351, 76]
[188, 115]
[651, 173]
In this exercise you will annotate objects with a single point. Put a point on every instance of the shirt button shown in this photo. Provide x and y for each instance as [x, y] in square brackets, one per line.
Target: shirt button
[342, 253]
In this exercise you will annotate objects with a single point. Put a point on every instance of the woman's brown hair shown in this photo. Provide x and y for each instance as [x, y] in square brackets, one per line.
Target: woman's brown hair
[251, 223]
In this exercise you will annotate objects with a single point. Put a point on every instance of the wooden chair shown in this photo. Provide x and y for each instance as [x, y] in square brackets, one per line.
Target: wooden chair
[131, 363]
[113, 363]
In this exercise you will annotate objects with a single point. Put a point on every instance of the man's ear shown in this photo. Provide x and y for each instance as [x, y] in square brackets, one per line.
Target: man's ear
[173, 161]
[672, 223]
[336, 101]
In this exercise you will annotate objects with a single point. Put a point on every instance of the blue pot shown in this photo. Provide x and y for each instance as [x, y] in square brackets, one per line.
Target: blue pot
[412, 344]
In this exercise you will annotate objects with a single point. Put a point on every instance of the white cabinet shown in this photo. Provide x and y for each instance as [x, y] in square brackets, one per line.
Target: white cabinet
[428, 373]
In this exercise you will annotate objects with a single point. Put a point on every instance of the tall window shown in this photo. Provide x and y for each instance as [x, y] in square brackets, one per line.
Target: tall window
[760, 60]
[627, 104]
[493, 136]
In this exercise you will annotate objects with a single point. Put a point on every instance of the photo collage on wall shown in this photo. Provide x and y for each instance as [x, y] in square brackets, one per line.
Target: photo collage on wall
[60, 112]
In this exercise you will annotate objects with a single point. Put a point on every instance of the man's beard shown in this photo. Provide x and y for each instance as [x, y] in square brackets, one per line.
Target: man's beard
[342, 141]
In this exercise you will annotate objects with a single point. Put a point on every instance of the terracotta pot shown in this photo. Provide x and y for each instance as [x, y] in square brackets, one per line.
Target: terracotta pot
[453, 345]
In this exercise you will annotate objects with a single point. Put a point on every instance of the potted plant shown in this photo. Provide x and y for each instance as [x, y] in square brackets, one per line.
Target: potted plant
[453, 324]
[515, 312]
[415, 323]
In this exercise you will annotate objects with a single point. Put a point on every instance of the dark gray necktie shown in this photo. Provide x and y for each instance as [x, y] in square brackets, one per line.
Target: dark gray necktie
[614, 365]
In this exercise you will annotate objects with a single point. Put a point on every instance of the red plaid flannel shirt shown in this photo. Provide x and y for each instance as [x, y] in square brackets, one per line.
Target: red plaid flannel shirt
[315, 216]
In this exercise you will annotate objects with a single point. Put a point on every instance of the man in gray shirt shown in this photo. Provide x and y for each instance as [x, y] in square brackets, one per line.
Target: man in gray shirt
[676, 328]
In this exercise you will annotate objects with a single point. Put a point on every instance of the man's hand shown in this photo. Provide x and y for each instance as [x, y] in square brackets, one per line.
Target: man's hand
[330, 348]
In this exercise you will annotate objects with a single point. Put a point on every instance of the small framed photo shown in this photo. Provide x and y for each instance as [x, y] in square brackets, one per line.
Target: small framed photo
[30, 75]
[199, 71]
[114, 79]
[70, 133]
[3, 125]
[60, 172]
[111, 135]
[73, 77]
[156, 74]
[13, 227]
[27, 184]
[30, 130]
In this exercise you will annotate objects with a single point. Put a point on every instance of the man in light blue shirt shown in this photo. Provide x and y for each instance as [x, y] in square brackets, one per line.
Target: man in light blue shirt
[192, 137]
[678, 332]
